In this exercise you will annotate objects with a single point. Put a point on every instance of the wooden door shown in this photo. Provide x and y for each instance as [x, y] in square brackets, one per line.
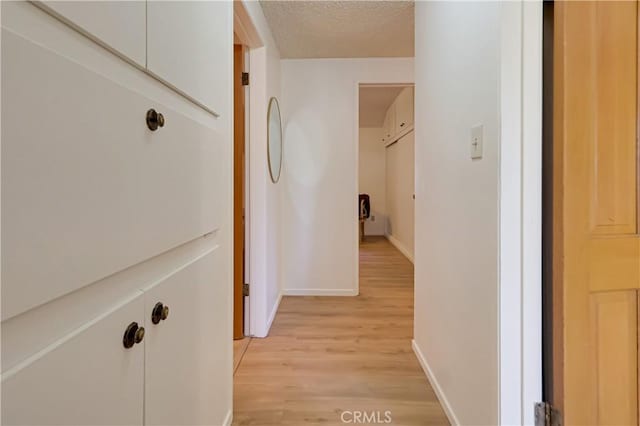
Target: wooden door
[596, 238]
[86, 378]
[187, 357]
[238, 191]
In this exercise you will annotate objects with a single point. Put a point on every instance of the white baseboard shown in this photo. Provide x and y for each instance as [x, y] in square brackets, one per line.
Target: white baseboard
[319, 292]
[434, 384]
[273, 313]
[393, 240]
[228, 419]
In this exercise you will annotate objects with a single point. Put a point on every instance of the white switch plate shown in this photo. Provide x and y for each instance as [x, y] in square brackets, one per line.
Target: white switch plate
[476, 141]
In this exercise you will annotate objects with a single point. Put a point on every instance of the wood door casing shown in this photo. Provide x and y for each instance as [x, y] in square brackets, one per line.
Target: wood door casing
[596, 242]
[238, 191]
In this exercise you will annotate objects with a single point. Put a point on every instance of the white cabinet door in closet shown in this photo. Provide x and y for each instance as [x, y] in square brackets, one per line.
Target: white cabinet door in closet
[188, 357]
[189, 46]
[404, 109]
[87, 188]
[118, 24]
[389, 130]
[86, 378]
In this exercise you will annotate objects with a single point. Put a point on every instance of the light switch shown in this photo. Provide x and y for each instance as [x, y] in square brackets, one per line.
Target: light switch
[476, 141]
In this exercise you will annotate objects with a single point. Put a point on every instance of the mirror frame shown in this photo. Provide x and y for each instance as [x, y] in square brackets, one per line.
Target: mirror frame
[273, 100]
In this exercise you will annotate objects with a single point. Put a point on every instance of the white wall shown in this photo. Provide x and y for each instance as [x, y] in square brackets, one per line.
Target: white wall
[399, 178]
[371, 170]
[320, 175]
[456, 247]
[477, 290]
[264, 257]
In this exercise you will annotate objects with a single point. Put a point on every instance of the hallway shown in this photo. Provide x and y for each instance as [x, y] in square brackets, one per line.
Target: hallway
[329, 355]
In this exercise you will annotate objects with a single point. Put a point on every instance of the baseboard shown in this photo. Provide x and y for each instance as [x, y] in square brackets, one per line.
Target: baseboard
[228, 419]
[273, 313]
[434, 384]
[393, 240]
[319, 292]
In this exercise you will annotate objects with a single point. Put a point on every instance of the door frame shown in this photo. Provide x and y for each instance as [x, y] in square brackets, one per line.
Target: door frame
[356, 208]
[239, 204]
[246, 24]
[520, 222]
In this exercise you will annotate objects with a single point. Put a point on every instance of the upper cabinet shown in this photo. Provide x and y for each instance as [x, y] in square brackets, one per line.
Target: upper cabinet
[388, 128]
[184, 44]
[403, 106]
[399, 117]
[188, 57]
[117, 24]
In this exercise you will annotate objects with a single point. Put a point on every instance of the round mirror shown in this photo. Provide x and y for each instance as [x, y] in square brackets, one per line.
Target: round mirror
[274, 140]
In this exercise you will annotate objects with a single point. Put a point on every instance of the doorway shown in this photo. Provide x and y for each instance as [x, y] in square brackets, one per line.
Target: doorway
[241, 311]
[386, 165]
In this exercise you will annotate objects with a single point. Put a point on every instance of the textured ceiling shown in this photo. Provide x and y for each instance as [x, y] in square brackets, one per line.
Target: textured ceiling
[374, 103]
[341, 29]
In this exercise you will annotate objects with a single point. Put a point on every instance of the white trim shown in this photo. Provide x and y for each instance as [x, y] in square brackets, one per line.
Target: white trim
[397, 244]
[444, 402]
[520, 301]
[319, 292]
[228, 418]
[356, 203]
[531, 208]
[272, 315]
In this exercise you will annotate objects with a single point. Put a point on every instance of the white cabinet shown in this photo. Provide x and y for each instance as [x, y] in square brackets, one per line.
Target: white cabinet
[102, 217]
[184, 354]
[398, 119]
[118, 24]
[388, 127]
[87, 188]
[189, 45]
[185, 44]
[86, 378]
[178, 374]
[403, 106]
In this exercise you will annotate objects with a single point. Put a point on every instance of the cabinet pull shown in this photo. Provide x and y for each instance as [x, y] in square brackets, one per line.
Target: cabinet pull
[159, 313]
[401, 124]
[132, 335]
[154, 119]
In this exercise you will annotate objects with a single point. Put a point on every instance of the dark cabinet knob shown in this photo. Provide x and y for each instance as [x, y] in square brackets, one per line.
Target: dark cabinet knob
[154, 119]
[132, 335]
[139, 334]
[165, 312]
[159, 313]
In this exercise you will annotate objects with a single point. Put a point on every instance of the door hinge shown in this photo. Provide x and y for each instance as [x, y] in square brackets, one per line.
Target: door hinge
[245, 78]
[546, 415]
[245, 289]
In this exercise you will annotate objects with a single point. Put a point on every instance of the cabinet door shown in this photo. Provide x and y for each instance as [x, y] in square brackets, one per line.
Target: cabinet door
[389, 123]
[118, 24]
[404, 110]
[87, 378]
[87, 189]
[385, 128]
[188, 355]
[189, 45]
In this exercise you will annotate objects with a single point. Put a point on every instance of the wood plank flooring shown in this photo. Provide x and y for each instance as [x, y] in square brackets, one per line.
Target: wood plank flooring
[239, 348]
[328, 355]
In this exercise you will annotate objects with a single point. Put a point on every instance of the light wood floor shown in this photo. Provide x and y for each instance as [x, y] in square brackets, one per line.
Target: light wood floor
[326, 355]
[239, 349]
